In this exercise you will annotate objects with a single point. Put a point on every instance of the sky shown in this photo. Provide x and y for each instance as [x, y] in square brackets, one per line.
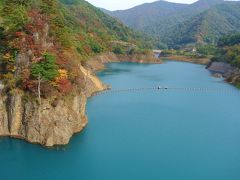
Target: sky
[126, 4]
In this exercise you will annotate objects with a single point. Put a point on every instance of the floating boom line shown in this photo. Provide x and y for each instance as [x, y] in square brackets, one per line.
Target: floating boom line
[168, 89]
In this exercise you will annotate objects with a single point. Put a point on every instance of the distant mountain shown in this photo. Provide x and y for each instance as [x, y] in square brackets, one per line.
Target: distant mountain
[205, 4]
[144, 15]
[181, 24]
[205, 27]
[105, 11]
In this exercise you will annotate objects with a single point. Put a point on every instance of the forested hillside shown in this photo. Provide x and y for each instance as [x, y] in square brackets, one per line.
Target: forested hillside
[229, 50]
[178, 25]
[45, 41]
[206, 27]
[147, 15]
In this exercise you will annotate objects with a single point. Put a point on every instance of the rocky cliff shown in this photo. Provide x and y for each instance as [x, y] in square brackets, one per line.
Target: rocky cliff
[49, 123]
[43, 66]
[230, 73]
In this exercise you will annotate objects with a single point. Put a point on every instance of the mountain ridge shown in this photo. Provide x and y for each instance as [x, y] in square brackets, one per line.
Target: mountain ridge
[163, 20]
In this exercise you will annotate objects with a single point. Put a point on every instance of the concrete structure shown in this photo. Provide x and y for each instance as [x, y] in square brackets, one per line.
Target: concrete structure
[157, 53]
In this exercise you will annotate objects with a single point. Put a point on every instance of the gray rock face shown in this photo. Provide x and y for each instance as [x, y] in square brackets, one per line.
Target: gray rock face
[222, 68]
[231, 74]
[43, 124]
[47, 123]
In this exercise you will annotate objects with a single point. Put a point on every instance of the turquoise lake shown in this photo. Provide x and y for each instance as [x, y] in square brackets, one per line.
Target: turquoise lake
[145, 135]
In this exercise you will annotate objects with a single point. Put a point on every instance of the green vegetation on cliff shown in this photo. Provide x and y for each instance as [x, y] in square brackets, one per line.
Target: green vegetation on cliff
[37, 35]
[229, 50]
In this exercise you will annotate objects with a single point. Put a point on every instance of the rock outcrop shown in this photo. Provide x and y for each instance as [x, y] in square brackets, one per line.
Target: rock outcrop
[50, 122]
[230, 73]
[222, 68]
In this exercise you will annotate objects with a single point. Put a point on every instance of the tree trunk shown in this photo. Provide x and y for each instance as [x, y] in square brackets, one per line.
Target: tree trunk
[39, 88]
[39, 100]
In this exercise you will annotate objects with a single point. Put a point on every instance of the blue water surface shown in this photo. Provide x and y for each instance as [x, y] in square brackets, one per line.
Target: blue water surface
[145, 135]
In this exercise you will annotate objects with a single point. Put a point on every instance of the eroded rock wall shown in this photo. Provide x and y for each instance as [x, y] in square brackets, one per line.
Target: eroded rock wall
[46, 123]
[230, 73]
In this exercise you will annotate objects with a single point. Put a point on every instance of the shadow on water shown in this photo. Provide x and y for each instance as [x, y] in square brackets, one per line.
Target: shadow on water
[114, 69]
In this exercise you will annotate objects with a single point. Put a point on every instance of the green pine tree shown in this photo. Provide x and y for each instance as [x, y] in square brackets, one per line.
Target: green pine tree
[45, 70]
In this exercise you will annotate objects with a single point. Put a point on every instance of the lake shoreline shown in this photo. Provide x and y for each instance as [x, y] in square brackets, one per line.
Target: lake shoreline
[97, 63]
[62, 132]
[133, 129]
[203, 61]
[94, 65]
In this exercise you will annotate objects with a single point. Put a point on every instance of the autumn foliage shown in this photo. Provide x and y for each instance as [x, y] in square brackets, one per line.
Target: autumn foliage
[68, 31]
